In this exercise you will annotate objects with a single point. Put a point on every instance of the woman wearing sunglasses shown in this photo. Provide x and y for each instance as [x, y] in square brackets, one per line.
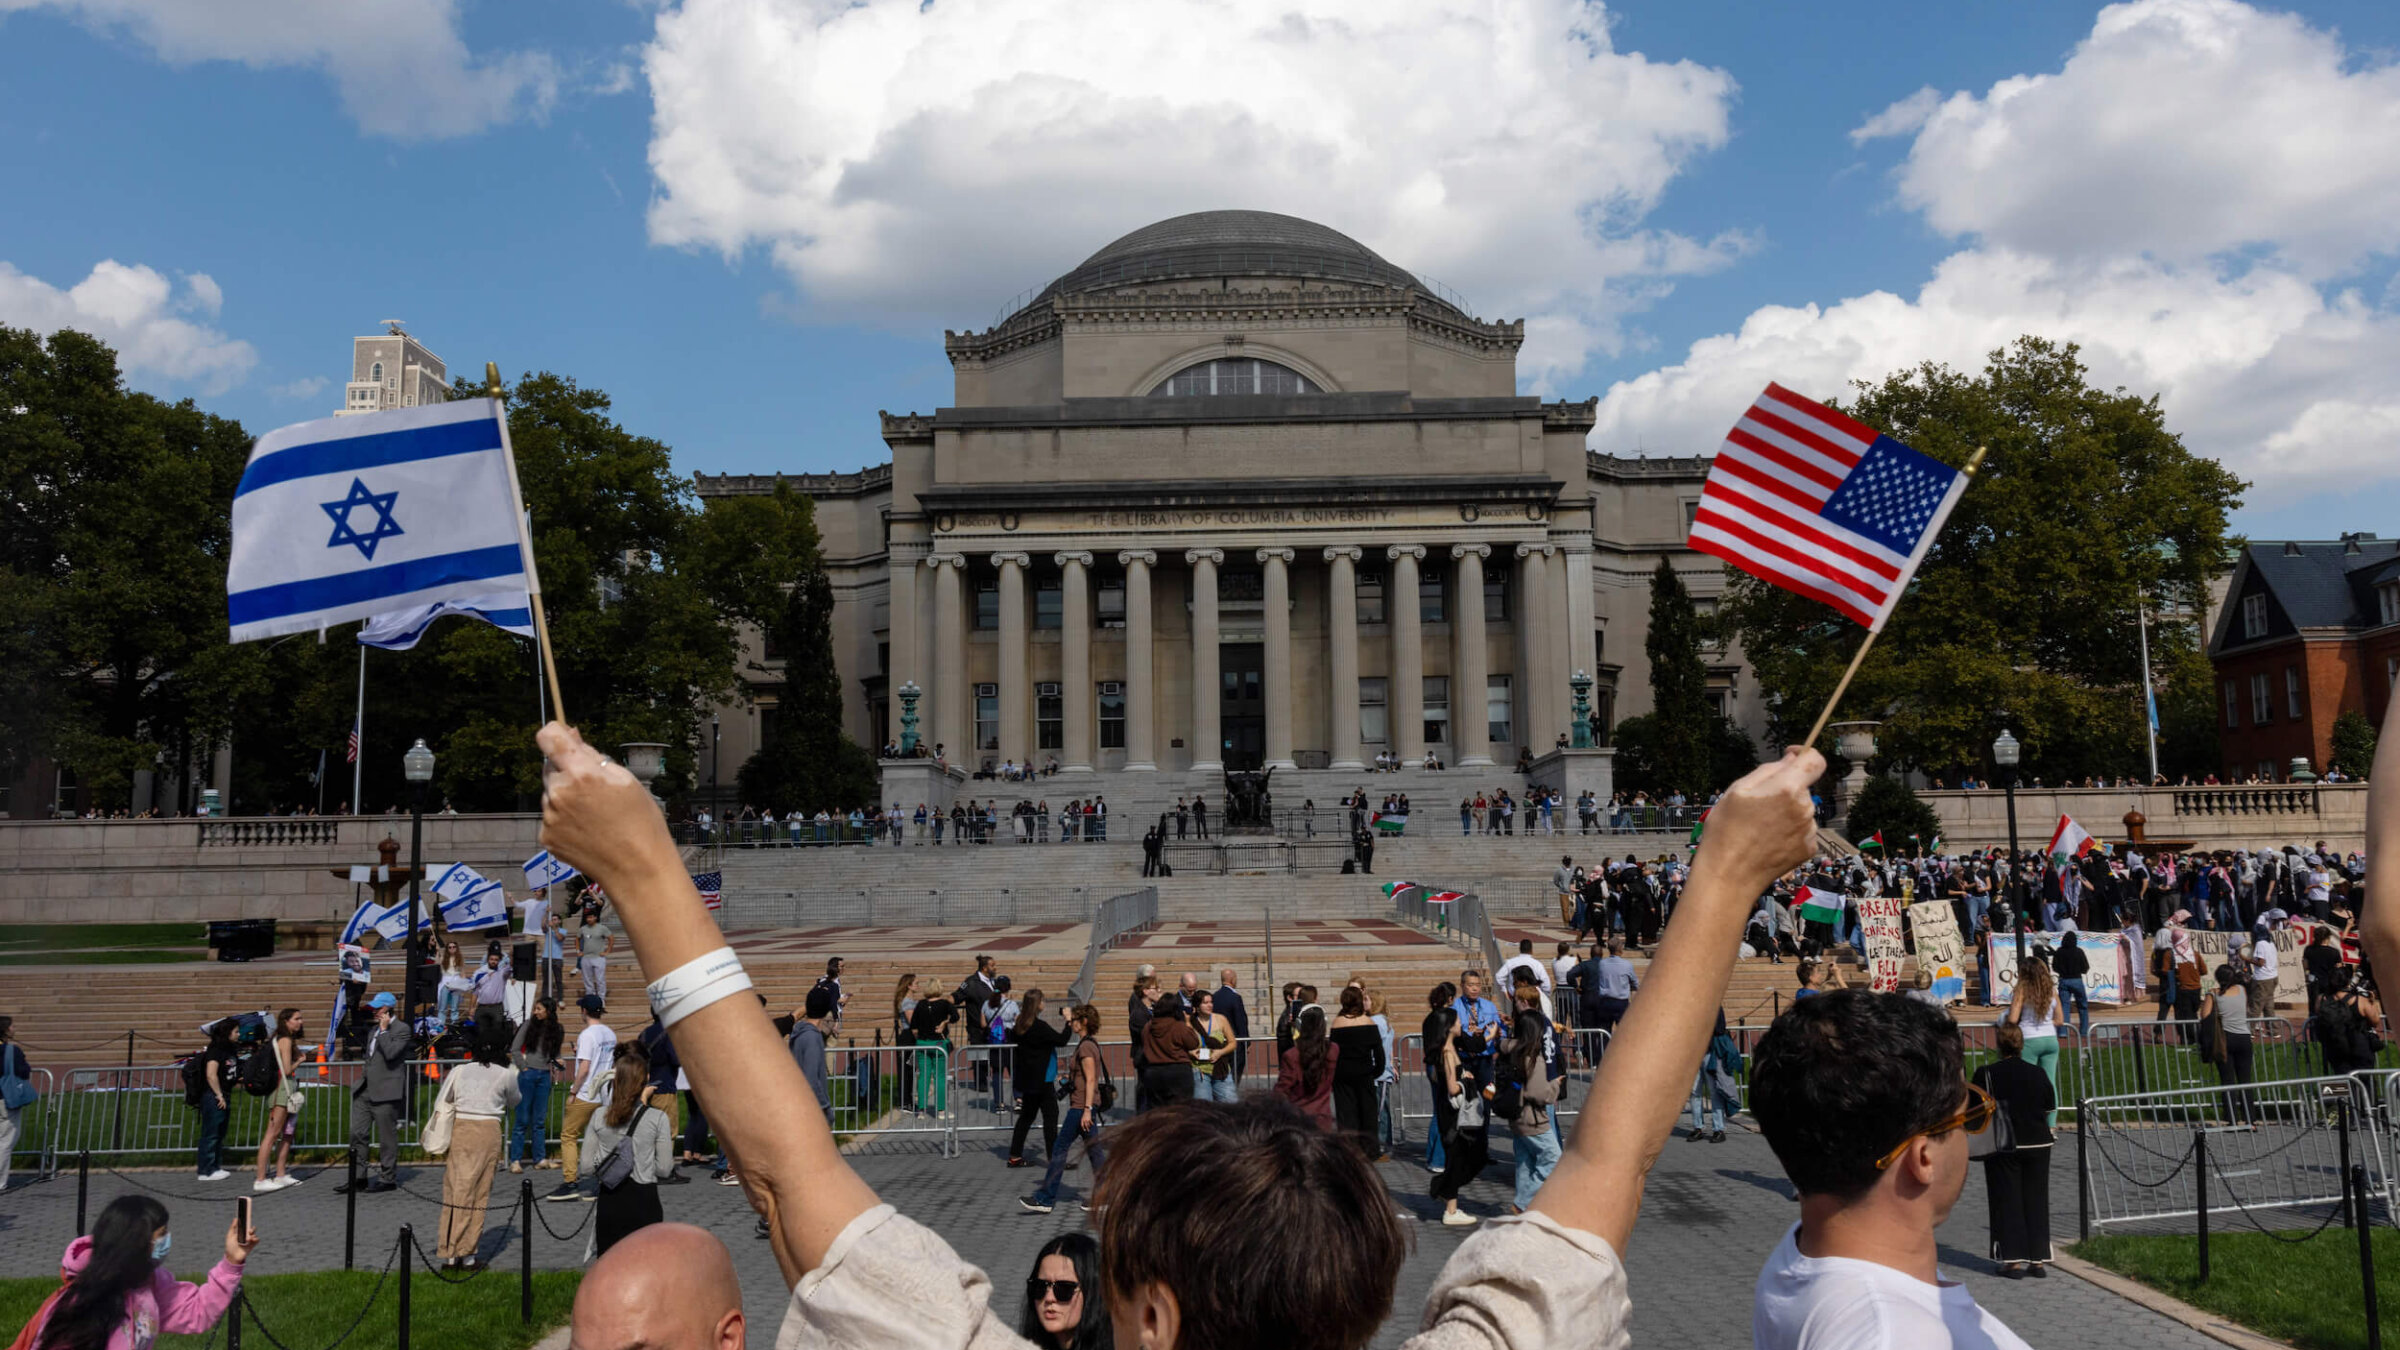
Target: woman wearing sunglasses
[2016, 1179]
[1059, 1310]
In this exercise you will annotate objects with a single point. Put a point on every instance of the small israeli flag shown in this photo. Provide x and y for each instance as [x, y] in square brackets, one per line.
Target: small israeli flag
[402, 629]
[348, 518]
[543, 870]
[486, 907]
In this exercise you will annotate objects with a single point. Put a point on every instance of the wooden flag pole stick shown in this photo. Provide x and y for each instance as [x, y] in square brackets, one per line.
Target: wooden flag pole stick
[1974, 463]
[533, 578]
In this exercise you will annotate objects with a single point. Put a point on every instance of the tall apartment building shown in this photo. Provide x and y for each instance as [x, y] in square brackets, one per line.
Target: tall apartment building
[392, 370]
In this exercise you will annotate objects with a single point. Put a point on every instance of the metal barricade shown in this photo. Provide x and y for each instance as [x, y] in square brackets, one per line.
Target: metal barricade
[1411, 1094]
[1116, 916]
[34, 1131]
[892, 1094]
[2269, 1146]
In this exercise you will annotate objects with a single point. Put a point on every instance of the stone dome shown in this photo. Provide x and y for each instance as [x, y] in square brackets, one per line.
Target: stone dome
[1212, 244]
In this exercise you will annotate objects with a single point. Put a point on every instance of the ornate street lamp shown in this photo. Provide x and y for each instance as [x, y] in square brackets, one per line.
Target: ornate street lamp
[417, 767]
[909, 694]
[2005, 753]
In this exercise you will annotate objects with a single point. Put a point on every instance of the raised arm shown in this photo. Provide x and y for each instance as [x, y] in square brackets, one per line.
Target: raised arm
[1760, 829]
[2379, 913]
[598, 816]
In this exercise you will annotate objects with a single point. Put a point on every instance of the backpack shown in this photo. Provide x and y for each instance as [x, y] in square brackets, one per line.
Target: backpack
[2340, 1023]
[195, 1077]
[259, 1072]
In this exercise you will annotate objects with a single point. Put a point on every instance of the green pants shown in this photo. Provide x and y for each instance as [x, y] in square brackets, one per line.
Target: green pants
[2042, 1052]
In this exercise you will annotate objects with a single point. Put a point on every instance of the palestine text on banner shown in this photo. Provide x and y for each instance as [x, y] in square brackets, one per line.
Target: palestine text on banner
[404, 628]
[2070, 840]
[348, 518]
[1821, 906]
[1823, 505]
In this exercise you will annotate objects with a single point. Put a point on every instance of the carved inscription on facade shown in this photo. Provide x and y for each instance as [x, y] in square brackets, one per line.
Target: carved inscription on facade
[1236, 517]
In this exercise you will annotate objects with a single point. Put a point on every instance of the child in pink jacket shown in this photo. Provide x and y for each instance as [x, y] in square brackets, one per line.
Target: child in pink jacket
[117, 1284]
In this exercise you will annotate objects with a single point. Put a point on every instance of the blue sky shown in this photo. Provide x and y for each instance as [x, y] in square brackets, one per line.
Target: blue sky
[750, 220]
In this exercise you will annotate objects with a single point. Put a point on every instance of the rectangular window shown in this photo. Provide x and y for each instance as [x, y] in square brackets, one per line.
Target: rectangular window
[1720, 697]
[987, 604]
[1370, 594]
[1437, 710]
[2387, 600]
[2291, 692]
[1495, 594]
[1112, 715]
[2254, 616]
[2262, 701]
[1109, 602]
[987, 717]
[1373, 696]
[1433, 593]
[1049, 603]
[1499, 711]
[1049, 717]
[2391, 676]
[1691, 513]
[2233, 706]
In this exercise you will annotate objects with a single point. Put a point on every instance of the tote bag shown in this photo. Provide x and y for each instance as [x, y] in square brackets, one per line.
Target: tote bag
[435, 1137]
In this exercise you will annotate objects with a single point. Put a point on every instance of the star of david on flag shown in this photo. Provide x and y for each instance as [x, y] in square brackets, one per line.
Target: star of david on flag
[1823, 505]
[423, 505]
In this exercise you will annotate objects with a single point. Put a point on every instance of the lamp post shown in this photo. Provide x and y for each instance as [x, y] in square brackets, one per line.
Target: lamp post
[909, 694]
[417, 767]
[2005, 753]
[716, 743]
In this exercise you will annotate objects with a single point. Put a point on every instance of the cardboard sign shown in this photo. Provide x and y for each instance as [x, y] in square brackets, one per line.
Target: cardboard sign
[2291, 978]
[1886, 952]
[1940, 949]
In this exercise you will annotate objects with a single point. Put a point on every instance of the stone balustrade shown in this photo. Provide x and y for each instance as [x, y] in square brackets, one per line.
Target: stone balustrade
[2212, 817]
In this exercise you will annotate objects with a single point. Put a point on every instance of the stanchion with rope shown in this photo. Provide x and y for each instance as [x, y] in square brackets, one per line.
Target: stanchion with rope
[233, 1323]
[83, 1189]
[2355, 1185]
[525, 1253]
[408, 1244]
[350, 1217]
[2200, 1185]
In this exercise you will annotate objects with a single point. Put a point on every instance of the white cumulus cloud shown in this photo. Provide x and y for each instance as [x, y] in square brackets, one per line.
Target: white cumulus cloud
[904, 160]
[136, 310]
[2182, 198]
[402, 67]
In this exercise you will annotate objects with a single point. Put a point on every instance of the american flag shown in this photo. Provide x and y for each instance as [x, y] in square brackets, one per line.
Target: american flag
[712, 887]
[350, 756]
[1823, 505]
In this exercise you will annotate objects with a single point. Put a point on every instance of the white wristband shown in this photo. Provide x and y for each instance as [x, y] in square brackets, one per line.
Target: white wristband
[695, 984]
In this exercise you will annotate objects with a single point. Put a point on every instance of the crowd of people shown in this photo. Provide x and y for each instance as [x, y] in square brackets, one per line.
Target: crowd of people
[969, 821]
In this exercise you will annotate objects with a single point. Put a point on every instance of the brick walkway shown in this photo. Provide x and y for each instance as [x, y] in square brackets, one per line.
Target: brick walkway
[1712, 1214]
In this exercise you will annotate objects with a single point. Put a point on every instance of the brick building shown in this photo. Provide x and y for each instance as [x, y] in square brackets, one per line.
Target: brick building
[2310, 629]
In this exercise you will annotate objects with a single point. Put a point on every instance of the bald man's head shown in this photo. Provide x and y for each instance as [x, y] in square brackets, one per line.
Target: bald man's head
[669, 1286]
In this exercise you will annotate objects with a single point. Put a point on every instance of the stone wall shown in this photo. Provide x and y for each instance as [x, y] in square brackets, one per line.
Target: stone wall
[2212, 817]
[138, 871]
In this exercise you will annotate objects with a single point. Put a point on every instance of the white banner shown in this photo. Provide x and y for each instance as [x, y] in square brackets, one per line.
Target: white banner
[2104, 983]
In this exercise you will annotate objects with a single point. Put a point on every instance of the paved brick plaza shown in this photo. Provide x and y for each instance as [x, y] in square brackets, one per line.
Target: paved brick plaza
[1712, 1214]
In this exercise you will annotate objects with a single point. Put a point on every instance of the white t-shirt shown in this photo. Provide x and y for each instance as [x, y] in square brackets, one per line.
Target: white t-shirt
[596, 1046]
[1837, 1303]
[1541, 973]
[1561, 970]
[537, 915]
[2264, 960]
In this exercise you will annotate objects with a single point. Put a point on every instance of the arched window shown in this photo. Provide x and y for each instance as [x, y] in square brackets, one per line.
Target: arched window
[377, 373]
[1236, 375]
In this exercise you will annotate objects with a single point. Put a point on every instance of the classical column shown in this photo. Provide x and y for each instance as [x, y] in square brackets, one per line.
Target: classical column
[1278, 673]
[1075, 658]
[1470, 669]
[951, 724]
[901, 628]
[1407, 688]
[1208, 736]
[1141, 726]
[1016, 660]
[1341, 605]
[1575, 574]
[1534, 626]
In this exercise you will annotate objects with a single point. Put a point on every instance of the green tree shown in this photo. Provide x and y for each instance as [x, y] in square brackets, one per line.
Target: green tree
[2086, 503]
[1682, 726]
[112, 570]
[807, 763]
[1891, 808]
[2353, 743]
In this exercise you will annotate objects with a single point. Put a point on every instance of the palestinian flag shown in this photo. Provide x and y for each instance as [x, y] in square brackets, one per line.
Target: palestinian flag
[2070, 840]
[1696, 827]
[1444, 897]
[1821, 906]
[1391, 888]
[1874, 841]
[1392, 823]
[1935, 846]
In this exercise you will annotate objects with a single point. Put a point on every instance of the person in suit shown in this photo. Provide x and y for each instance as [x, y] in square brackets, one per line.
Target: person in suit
[1227, 1003]
[375, 1102]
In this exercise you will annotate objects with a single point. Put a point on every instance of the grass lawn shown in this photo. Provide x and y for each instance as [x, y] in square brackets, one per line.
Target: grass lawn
[312, 1308]
[78, 944]
[2306, 1293]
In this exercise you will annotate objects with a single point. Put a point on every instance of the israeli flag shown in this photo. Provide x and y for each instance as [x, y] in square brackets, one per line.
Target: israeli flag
[351, 517]
[543, 870]
[458, 880]
[402, 629]
[387, 921]
[485, 907]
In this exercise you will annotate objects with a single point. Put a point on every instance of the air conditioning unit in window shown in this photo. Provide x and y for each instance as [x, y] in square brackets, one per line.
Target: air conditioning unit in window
[1112, 686]
[987, 691]
[1046, 690]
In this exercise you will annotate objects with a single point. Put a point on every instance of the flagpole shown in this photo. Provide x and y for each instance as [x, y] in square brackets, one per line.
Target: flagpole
[2141, 612]
[358, 733]
[1974, 463]
[547, 659]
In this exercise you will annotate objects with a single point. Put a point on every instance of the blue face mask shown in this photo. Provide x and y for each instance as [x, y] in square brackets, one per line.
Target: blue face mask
[158, 1249]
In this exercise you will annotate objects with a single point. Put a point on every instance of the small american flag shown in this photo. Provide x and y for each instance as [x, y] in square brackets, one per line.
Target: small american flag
[1823, 505]
[712, 887]
[350, 756]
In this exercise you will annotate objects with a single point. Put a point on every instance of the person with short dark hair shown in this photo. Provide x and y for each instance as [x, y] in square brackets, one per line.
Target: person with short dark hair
[1085, 1074]
[807, 1045]
[1864, 1099]
[1320, 1247]
[1063, 1307]
[2017, 1180]
[216, 1107]
[1356, 1071]
[2230, 1050]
